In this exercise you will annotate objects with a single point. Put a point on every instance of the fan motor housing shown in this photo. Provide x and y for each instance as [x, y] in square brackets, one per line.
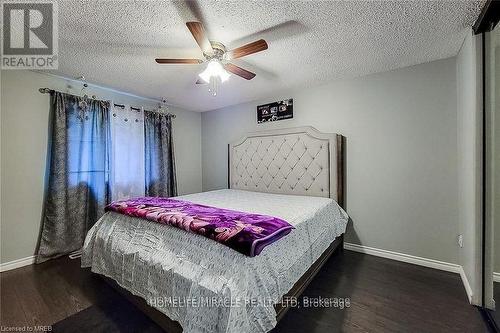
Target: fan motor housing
[219, 50]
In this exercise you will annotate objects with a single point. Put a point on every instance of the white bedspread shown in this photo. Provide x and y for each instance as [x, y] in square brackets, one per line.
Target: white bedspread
[189, 277]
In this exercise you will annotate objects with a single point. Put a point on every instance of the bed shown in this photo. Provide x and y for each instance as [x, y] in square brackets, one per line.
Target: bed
[186, 282]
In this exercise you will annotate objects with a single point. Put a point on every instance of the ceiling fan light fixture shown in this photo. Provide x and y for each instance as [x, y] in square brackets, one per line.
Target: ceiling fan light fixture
[214, 69]
[215, 52]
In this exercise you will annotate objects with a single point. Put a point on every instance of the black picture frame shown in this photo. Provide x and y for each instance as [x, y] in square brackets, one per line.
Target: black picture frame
[275, 111]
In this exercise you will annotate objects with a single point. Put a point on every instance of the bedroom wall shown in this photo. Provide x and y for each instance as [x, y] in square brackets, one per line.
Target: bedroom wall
[401, 129]
[24, 125]
[469, 143]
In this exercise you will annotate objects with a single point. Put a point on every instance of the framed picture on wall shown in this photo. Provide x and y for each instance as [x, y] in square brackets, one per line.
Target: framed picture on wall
[275, 111]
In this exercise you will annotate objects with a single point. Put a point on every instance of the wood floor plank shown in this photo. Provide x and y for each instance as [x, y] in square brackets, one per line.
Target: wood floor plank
[60, 300]
[389, 296]
[11, 311]
[385, 296]
[33, 301]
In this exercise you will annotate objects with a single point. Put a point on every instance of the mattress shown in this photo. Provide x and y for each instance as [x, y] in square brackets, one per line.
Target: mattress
[202, 284]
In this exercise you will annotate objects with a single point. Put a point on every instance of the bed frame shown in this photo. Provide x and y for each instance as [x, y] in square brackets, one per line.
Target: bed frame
[297, 161]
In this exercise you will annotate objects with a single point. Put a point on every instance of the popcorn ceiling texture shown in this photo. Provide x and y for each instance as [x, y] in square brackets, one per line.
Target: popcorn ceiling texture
[114, 43]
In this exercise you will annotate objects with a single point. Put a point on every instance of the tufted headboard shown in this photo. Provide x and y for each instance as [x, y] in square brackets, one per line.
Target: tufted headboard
[300, 161]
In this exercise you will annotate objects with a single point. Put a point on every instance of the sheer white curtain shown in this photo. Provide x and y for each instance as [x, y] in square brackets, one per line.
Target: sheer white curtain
[127, 152]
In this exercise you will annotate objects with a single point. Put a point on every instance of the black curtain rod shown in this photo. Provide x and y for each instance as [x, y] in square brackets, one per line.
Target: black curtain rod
[50, 91]
[138, 109]
[171, 115]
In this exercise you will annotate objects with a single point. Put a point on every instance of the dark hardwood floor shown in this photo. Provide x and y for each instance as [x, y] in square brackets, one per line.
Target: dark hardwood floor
[385, 296]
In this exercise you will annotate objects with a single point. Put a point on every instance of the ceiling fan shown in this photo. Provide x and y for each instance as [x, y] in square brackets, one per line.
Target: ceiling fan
[217, 56]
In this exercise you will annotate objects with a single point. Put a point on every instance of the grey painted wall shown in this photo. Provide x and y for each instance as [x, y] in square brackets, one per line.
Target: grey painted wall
[24, 124]
[401, 130]
[469, 141]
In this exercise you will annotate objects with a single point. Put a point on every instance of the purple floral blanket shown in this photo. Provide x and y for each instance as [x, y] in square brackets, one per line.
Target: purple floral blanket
[244, 232]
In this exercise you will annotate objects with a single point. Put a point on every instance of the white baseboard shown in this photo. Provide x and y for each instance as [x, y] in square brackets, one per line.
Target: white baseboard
[441, 265]
[431, 263]
[466, 284]
[496, 276]
[17, 263]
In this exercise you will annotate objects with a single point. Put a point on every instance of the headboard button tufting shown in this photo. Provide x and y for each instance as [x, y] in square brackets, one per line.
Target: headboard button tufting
[298, 161]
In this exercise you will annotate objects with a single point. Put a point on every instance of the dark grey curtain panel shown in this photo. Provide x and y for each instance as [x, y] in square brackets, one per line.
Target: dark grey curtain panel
[78, 173]
[160, 160]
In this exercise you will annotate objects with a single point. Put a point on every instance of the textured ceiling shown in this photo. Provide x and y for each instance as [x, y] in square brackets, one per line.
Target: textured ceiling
[114, 43]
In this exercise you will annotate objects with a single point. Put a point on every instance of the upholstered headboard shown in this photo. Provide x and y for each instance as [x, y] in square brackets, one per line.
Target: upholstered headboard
[300, 161]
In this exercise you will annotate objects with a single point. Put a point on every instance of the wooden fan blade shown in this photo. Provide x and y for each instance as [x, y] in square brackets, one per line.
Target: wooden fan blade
[247, 49]
[200, 36]
[178, 61]
[239, 71]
